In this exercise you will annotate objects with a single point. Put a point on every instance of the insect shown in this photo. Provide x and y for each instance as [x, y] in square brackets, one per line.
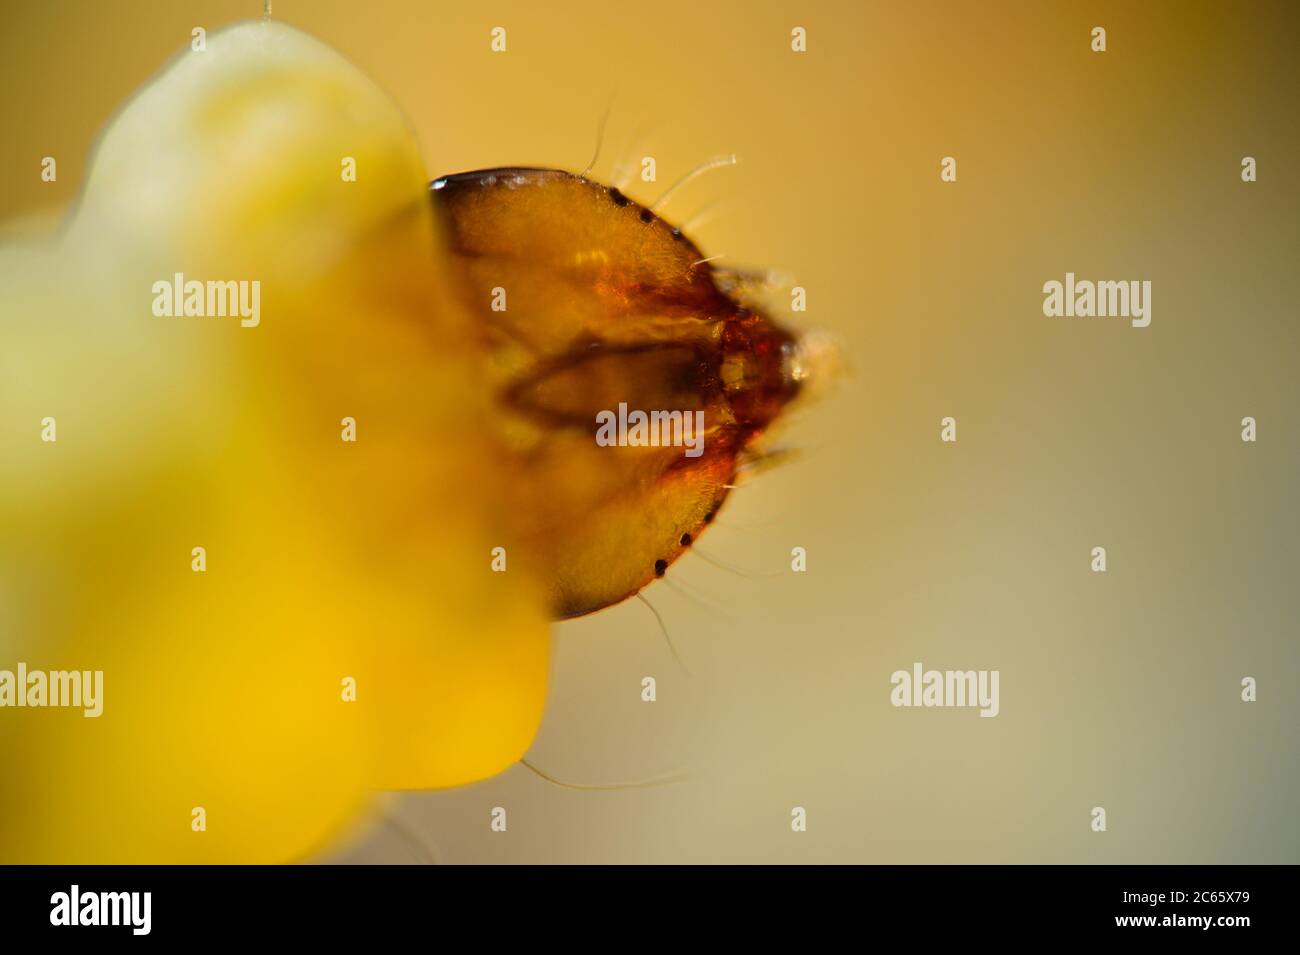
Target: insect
[396, 426]
[591, 302]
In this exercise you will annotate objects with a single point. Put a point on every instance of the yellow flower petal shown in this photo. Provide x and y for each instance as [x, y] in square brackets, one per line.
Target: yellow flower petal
[325, 559]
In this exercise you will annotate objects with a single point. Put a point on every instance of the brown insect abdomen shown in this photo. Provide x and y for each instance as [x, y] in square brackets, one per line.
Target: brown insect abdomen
[592, 303]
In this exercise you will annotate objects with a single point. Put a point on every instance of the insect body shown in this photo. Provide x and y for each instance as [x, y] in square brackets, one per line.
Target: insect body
[592, 303]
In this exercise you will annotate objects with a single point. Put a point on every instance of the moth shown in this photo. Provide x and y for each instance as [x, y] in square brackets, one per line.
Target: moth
[588, 301]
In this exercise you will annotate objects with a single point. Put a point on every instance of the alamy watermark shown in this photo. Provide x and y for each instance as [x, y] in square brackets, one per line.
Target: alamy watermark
[63, 688]
[922, 687]
[1104, 299]
[76, 907]
[653, 429]
[213, 299]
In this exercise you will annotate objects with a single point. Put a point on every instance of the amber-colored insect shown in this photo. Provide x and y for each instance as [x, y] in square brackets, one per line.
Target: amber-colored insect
[589, 300]
[384, 656]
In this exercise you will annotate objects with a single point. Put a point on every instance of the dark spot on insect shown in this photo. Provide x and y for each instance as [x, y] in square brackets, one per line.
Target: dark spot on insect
[647, 215]
[618, 197]
[708, 518]
[686, 540]
[660, 566]
[677, 233]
